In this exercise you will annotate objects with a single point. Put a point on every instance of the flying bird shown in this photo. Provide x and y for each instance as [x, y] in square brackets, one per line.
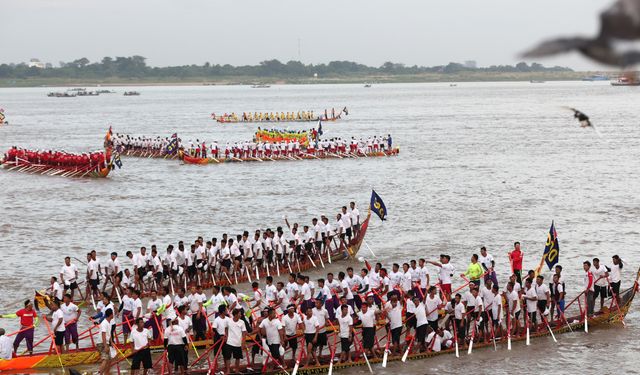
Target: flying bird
[618, 23]
[583, 119]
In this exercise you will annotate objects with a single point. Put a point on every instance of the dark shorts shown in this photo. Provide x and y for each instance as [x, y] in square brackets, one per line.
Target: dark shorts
[322, 339]
[293, 342]
[142, 272]
[395, 335]
[72, 286]
[411, 320]
[421, 333]
[229, 351]
[615, 288]
[345, 344]
[59, 337]
[94, 283]
[226, 263]
[433, 324]
[600, 291]
[275, 351]
[71, 333]
[176, 355]
[348, 232]
[308, 337]
[143, 356]
[368, 337]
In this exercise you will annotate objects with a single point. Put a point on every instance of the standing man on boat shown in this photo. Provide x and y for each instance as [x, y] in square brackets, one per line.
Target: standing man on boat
[445, 273]
[27, 317]
[488, 264]
[600, 276]
[71, 314]
[474, 271]
[273, 330]
[588, 288]
[141, 353]
[69, 276]
[614, 276]
[515, 257]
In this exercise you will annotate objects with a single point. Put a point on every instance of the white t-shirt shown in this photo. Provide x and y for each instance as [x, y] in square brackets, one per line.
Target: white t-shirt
[485, 262]
[105, 327]
[272, 328]
[69, 273]
[432, 307]
[614, 274]
[310, 324]
[58, 290]
[368, 319]
[175, 335]
[57, 316]
[69, 312]
[291, 324]
[140, 339]
[306, 291]
[186, 323]
[322, 315]
[532, 305]
[598, 273]
[345, 322]
[512, 300]
[394, 314]
[6, 347]
[459, 310]
[421, 315]
[153, 305]
[541, 291]
[445, 273]
[345, 287]
[220, 324]
[436, 346]
[93, 266]
[235, 330]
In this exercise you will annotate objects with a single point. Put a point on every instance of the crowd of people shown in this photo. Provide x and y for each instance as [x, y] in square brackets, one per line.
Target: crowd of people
[57, 159]
[418, 313]
[279, 116]
[125, 142]
[291, 149]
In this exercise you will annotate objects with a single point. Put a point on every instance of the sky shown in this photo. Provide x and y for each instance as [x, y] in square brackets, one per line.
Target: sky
[245, 32]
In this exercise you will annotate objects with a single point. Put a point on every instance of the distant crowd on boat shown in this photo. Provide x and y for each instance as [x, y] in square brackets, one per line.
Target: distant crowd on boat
[87, 161]
[280, 116]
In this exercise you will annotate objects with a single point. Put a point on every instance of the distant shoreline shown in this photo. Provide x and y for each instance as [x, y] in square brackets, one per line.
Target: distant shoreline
[356, 79]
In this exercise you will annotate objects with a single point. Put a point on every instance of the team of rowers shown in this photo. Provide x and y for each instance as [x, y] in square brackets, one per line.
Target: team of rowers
[279, 116]
[253, 149]
[85, 161]
[291, 149]
[403, 300]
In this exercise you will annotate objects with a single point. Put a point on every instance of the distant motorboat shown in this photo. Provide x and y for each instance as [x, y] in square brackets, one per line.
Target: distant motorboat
[453, 85]
[260, 86]
[61, 95]
[536, 81]
[87, 93]
[596, 77]
[131, 93]
[367, 85]
[626, 81]
[105, 92]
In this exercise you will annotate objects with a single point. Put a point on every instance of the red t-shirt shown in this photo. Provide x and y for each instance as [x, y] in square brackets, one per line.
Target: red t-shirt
[516, 259]
[26, 317]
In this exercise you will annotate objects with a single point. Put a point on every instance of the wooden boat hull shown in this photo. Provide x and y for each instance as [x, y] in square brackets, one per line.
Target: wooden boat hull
[54, 171]
[151, 154]
[50, 360]
[192, 160]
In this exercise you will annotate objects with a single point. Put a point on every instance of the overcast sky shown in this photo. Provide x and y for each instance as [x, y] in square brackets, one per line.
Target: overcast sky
[177, 32]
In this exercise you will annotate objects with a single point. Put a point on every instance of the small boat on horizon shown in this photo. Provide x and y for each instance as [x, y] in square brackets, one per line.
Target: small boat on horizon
[626, 81]
[131, 93]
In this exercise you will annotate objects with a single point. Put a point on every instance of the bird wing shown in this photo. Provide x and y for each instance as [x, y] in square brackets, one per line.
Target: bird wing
[555, 46]
[621, 20]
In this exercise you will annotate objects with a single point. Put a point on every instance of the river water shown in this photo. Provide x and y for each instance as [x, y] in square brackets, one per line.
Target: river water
[480, 164]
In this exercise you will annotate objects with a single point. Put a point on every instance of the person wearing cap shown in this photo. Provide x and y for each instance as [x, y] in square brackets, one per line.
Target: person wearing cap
[27, 317]
[292, 323]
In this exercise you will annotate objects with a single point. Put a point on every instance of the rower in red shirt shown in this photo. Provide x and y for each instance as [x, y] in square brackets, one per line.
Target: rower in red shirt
[27, 318]
[515, 257]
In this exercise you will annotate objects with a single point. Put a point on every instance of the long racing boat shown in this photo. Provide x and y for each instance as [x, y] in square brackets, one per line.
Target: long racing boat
[301, 156]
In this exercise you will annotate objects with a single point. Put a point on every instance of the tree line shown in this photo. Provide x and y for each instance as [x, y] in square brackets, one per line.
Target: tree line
[136, 67]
